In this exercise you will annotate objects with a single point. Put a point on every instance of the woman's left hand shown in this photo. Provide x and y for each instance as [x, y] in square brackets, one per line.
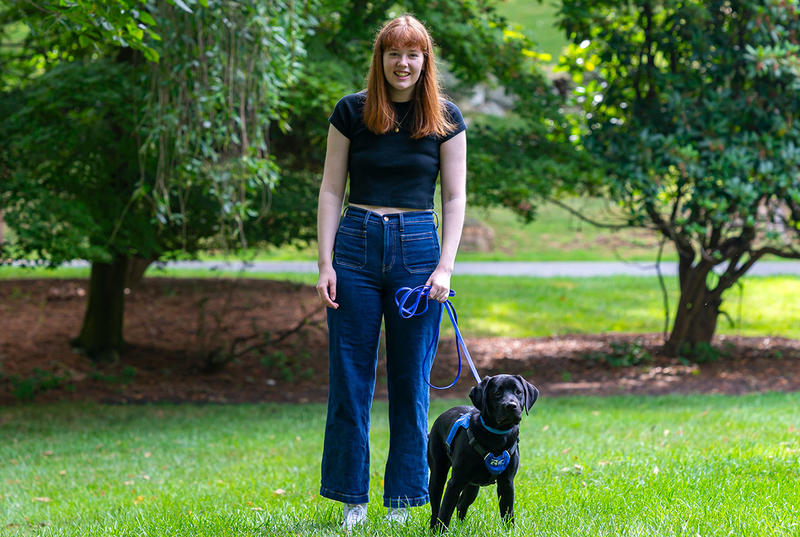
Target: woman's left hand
[439, 282]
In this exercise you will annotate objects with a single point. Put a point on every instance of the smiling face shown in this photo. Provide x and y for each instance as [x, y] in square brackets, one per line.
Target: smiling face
[402, 67]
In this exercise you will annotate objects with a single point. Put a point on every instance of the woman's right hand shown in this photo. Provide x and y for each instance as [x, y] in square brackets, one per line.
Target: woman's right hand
[326, 286]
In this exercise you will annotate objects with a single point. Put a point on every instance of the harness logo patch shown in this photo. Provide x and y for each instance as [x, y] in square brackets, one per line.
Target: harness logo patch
[497, 464]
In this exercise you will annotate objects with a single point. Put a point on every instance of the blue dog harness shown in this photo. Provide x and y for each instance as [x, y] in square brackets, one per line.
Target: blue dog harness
[495, 464]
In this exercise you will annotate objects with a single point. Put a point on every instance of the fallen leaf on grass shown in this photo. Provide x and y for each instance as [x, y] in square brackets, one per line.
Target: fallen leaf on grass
[575, 469]
[44, 499]
[138, 500]
[279, 492]
[62, 472]
[48, 453]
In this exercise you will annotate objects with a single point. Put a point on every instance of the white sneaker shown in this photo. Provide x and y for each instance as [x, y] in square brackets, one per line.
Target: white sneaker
[355, 514]
[397, 515]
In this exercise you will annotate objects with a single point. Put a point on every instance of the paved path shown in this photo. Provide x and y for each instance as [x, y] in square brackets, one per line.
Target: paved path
[541, 269]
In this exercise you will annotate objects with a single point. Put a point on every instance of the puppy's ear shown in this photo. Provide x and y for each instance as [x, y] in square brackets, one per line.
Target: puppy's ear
[478, 394]
[530, 391]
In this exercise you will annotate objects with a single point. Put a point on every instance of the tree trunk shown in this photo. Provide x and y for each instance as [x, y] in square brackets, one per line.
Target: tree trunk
[698, 310]
[101, 333]
[137, 266]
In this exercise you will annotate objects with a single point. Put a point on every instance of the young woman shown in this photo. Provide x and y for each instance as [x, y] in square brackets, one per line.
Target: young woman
[393, 140]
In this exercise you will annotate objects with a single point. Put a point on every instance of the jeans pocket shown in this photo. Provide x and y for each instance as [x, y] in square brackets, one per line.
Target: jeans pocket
[350, 247]
[420, 252]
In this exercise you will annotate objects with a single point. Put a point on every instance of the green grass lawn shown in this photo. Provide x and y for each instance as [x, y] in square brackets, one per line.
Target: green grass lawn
[521, 307]
[699, 465]
[541, 19]
[518, 307]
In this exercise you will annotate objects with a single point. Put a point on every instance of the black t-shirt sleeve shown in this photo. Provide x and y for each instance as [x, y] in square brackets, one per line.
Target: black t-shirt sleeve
[343, 115]
[455, 118]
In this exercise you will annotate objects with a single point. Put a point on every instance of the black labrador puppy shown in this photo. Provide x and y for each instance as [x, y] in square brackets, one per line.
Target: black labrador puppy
[480, 444]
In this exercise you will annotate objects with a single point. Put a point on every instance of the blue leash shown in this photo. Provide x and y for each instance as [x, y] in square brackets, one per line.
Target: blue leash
[401, 299]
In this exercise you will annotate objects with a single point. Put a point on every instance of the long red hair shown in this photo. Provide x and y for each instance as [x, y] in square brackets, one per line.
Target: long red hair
[429, 111]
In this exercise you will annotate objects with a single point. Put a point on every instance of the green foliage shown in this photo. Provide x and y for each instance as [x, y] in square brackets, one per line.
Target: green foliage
[691, 108]
[125, 376]
[699, 353]
[71, 163]
[519, 163]
[76, 28]
[152, 157]
[107, 156]
[27, 388]
[623, 354]
[207, 128]
[541, 19]
[233, 108]
[288, 367]
[697, 127]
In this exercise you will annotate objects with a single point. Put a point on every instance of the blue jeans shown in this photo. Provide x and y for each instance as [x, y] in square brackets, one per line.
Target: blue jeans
[375, 255]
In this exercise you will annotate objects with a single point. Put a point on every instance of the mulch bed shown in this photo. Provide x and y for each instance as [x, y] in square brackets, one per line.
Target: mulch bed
[233, 341]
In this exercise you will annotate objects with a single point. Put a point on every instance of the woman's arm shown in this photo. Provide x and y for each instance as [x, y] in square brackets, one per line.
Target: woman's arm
[453, 172]
[329, 209]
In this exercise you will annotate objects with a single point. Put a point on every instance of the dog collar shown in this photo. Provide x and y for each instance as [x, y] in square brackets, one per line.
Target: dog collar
[492, 429]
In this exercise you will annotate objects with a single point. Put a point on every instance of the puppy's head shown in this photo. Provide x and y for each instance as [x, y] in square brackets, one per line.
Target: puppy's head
[502, 398]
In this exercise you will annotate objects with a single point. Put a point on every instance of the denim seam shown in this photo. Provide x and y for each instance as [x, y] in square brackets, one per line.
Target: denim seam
[343, 496]
[405, 501]
[387, 230]
[406, 242]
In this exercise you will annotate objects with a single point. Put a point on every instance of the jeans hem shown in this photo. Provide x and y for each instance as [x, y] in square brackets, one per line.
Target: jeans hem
[406, 502]
[343, 497]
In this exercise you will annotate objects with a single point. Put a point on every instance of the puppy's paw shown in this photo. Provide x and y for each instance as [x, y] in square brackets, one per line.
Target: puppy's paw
[438, 527]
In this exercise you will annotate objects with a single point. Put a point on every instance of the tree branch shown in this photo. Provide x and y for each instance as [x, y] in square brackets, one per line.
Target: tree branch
[585, 218]
[786, 254]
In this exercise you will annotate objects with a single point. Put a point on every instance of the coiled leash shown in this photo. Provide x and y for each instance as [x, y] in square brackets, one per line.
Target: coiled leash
[403, 296]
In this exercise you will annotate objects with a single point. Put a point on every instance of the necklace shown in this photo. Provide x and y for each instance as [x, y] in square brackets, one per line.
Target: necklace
[397, 125]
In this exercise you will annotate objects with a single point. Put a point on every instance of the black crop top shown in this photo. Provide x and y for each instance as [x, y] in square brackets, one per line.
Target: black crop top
[392, 169]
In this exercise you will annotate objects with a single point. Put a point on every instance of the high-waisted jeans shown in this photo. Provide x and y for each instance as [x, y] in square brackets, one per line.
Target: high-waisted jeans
[374, 255]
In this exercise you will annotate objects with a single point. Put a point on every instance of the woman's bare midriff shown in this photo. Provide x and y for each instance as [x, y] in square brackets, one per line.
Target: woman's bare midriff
[384, 210]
